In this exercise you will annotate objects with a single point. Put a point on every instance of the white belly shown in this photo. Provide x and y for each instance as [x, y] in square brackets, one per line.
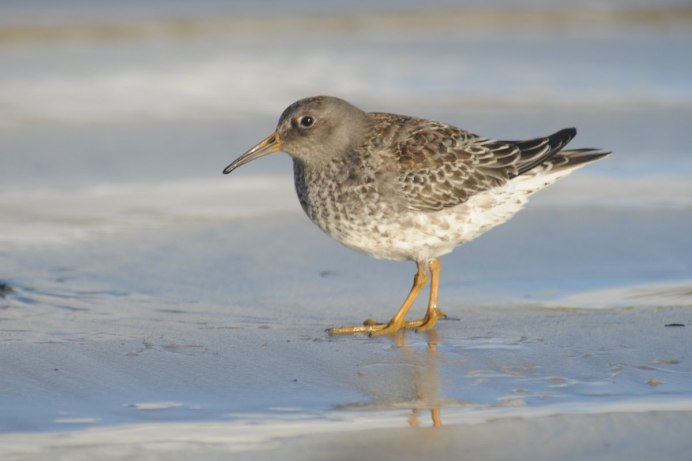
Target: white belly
[421, 236]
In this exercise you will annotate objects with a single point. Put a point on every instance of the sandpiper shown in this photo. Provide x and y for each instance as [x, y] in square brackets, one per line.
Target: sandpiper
[406, 188]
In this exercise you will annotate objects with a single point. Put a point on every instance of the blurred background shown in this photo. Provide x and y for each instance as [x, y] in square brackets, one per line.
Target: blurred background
[101, 91]
[121, 115]
[132, 270]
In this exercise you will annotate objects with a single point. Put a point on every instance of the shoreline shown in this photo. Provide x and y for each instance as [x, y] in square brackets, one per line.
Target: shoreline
[637, 430]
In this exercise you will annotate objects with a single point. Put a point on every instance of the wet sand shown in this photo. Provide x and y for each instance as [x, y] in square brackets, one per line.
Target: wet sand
[152, 308]
[218, 346]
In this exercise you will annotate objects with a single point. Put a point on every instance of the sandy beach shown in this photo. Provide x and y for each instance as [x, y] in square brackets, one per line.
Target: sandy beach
[152, 308]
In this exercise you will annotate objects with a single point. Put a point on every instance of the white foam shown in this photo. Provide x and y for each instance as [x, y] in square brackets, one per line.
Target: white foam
[66, 215]
[651, 192]
[153, 406]
[158, 440]
[248, 68]
[668, 294]
[77, 420]
[59, 215]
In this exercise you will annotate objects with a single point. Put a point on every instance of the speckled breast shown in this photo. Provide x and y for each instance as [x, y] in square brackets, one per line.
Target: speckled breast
[355, 213]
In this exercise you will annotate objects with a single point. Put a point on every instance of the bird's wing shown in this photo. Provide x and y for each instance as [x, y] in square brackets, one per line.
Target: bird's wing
[441, 166]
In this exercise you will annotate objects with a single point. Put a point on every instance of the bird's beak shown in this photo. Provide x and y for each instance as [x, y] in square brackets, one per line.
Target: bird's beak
[268, 145]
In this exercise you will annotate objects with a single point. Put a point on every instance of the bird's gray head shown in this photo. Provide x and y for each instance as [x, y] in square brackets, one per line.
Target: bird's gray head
[311, 130]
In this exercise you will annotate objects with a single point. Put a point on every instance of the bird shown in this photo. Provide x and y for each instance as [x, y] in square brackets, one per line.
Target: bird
[405, 188]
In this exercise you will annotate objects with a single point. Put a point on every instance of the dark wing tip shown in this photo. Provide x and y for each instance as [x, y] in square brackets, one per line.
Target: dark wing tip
[536, 151]
[559, 139]
[565, 133]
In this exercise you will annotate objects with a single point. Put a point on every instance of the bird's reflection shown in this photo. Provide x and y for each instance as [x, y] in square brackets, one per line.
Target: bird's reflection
[408, 379]
[425, 377]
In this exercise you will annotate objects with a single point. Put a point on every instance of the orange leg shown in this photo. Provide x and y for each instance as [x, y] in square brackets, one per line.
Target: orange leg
[397, 322]
[433, 313]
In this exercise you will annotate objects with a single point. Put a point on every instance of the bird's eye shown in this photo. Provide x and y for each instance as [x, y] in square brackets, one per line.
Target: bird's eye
[306, 121]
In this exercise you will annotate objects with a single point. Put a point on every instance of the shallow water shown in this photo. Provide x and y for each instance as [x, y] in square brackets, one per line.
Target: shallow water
[140, 286]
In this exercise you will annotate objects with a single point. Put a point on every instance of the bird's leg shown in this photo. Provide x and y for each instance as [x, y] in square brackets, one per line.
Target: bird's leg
[433, 313]
[397, 322]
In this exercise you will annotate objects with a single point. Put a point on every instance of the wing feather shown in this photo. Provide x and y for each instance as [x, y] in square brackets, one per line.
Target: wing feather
[440, 166]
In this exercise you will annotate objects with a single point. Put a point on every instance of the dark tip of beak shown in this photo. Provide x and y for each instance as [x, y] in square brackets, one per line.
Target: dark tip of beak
[268, 145]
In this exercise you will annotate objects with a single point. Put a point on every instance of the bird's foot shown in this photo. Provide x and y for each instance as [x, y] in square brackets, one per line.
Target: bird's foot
[373, 328]
[426, 323]
[369, 327]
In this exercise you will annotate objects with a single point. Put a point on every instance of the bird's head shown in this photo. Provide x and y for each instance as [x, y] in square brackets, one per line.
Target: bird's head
[311, 130]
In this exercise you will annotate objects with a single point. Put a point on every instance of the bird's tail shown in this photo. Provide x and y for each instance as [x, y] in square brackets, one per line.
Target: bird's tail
[572, 158]
[546, 153]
